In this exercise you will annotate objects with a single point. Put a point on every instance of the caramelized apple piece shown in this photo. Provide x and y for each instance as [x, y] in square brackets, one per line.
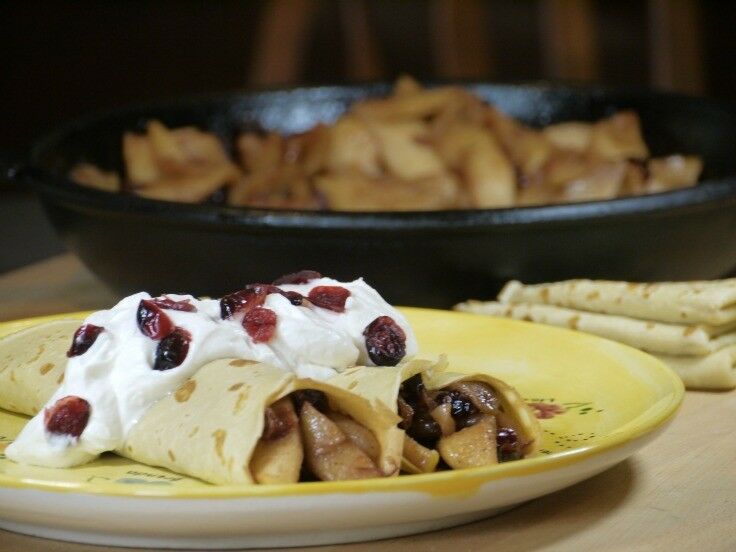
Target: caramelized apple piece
[358, 434]
[442, 414]
[417, 458]
[279, 459]
[471, 447]
[330, 454]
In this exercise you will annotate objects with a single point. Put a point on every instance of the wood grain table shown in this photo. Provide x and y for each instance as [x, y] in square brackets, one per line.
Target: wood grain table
[679, 493]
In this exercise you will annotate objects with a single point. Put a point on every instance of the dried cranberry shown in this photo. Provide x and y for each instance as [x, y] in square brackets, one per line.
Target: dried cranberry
[461, 408]
[83, 339]
[425, 430]
[294, 297]
[277, 423]
[262, 290]
[168, 303]
[329, 297]
[301, 277]
[316, 398]
[172, 350]
[260, 324]
[68, 416]
[253, 295]
[234, 302]
[152, 320]
[406, 412]
[508, 445]
[385, 341]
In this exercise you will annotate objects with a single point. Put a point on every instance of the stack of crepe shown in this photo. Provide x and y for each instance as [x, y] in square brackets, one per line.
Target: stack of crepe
[211, 427]
[691, 326]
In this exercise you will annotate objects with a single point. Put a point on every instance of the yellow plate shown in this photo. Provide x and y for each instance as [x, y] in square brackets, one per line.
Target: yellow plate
[598, 401]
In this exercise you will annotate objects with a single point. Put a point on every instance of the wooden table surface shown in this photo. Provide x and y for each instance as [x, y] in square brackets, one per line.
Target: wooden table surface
[679, 493]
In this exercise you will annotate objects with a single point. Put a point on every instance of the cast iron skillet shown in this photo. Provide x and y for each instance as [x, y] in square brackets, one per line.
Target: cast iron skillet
[429, 259]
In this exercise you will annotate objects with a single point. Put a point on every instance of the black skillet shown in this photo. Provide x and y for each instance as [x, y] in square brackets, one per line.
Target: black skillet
[428, 259]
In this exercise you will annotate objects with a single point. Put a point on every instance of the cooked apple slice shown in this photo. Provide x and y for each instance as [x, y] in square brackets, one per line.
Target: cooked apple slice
[279, 453]
[471, 447]
[358, 434]
[417, 458]
[330, 454]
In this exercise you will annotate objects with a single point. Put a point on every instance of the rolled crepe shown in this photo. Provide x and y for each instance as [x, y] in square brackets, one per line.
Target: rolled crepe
[653, 337]
[382, 386]
[210, 426]
[32, 363]
[705, 302]
[716, 371]
[511, 403]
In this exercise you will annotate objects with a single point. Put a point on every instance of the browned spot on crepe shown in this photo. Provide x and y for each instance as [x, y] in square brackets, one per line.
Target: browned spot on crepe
[171, 455]
[650, 325]
[544, 294]
[235, 386]
[632, 286]
[683, 315]
[592, 295]
[3, 446]
[240, 362]
[573, 322]
[688, 331]
[526, 318]
[185, 391]
[193, 432]
[60, 379]
[12, 376]
[130, 448]
[219, 435]
[352, 385]
[41, 349]
[240, 402]
[46, 368]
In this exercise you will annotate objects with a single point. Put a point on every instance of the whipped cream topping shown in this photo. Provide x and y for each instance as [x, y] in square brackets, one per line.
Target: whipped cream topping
[116, 374]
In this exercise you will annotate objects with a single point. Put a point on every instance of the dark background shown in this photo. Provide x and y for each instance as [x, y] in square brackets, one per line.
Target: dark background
[62, 59]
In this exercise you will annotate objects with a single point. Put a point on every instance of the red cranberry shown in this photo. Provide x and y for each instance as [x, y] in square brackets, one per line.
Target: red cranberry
[329, 297]
[385, 341]
[508, 445]
[168, 303]
[254, 295]
[260, 324]
[316, 398]
[83, 339]
[233, 303]
[152, 320]
[301, 277]
[68, 416]
[294, 297]
[172, 349]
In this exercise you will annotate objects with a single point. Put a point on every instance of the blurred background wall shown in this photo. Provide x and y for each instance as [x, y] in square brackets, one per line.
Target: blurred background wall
[62, 59]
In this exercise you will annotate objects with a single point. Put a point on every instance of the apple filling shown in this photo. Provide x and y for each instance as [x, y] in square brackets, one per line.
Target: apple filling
[305, 440]
[463, 425]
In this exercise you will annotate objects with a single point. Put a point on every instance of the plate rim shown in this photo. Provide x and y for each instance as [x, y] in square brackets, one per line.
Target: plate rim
[451, 482]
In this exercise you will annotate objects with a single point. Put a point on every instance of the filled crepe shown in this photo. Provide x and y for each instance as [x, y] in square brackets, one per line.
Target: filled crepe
[123, 360]
[234, 421]
[449, 420]
[32, 363]
[237, 421]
